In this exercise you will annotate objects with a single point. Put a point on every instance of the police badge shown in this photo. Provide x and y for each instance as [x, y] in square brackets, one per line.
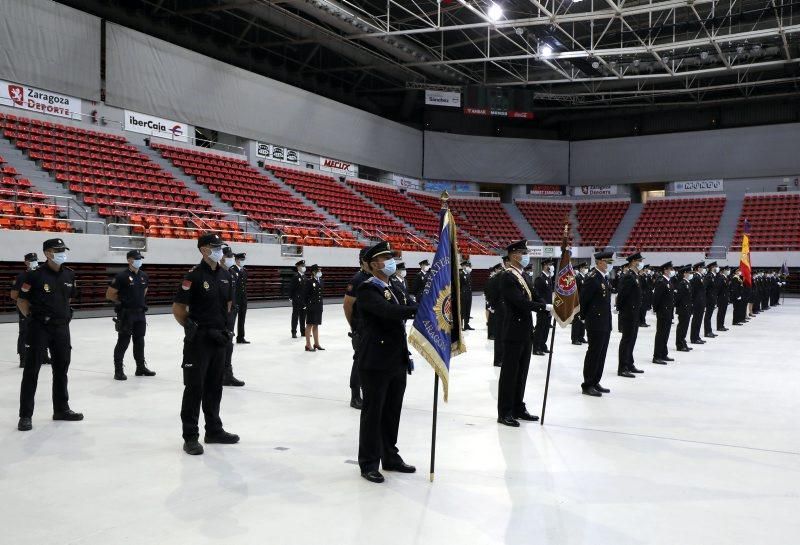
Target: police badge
[387, 295]
[46, 288]
[205, 285]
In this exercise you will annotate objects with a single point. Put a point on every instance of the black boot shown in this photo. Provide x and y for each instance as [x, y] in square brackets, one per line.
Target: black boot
[230, 380]
[119, 373]
[143, 371]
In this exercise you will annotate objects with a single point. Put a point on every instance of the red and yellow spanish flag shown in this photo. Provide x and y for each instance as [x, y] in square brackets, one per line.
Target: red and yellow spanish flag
[744, 261]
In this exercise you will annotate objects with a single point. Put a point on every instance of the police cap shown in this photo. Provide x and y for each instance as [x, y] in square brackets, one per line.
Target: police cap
[401, 266]
[300, 263]
[667, 265]
[240, 255]
[54, 244]
[634, 257]
[698, 265]
[134, 254]
[227, 252]
[518, 246]
[605, 256]
[212, 240]
[380, 249]
[31, 257]
[424, 263]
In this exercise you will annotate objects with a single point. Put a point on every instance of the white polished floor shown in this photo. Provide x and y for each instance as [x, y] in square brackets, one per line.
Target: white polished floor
[703, 451]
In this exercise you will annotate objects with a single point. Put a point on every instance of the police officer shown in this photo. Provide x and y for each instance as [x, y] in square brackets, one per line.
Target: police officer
[578, 328]
[128, 292]
[520, 302]
[543, 293]
[383, 362]
[629, 301]
[422, 278]
[721, 286]
[228, 263]
[465, 281]
[353, 318]
[490, 296]
[596, 313]
[683, 307]
[709, 283]
[31, 264]
[646, 284]
[312, 300]
[698, 302]
[664, 307]
[241, 296]
[202, 305]
[738, 298]
[399, 285]
[296, 290]
[44, 300]
[495, 296]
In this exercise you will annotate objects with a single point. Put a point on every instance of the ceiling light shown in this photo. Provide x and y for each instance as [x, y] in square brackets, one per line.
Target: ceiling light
[595, 65]
[495, 12]
[636, 62]
[545, 50]
[704, 55]
[665, 59]
[519, 30]
[740, 50]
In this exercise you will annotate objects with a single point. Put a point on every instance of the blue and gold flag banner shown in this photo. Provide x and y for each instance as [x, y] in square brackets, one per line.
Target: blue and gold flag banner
[436, 333]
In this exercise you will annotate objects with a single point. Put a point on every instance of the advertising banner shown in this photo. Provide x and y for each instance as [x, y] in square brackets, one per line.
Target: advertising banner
[337, 167]
[405, 182]
[277, 153]
[38, 100]
[545, 190]
[156, 126]
[592, 190]
[443, 98]
[698, 186]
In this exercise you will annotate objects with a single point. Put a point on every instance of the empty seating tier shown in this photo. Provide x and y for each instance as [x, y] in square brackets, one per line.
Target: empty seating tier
[546, 217]
[598, 220]
[774, 222]
[677, 225]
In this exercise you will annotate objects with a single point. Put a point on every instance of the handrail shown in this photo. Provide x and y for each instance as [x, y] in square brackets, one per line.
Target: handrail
[212, 212]
[194, 141]
[69, 220]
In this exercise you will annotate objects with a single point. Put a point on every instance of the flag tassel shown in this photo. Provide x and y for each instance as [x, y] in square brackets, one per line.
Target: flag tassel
[433, 426]
[547, 380]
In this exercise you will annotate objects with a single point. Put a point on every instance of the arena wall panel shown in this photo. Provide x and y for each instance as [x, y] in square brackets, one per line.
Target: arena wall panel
[51, 46]
[155, 77]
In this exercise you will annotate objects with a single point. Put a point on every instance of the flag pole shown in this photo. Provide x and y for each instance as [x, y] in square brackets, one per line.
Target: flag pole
[549, 363]
[444, 198]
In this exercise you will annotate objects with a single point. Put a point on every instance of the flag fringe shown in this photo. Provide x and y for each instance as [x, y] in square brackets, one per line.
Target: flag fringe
[427, 351]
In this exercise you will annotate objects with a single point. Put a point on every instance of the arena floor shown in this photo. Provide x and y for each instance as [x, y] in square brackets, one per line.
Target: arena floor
[705, 450]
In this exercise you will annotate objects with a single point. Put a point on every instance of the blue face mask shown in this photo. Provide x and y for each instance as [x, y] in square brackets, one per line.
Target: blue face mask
[60, 258]
[525, 260]
[137, 263]
[389, 267]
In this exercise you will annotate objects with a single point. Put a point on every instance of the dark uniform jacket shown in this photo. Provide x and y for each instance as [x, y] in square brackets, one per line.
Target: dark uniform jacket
[352, 290]
[312, 294]
[296, 287]
[736, 288]
[465, 284]
[131, 287]
[207, 292]
[629, 294]
[698, 292]
[711, 292]
[519, 302]
[683, 297]
[596, 302]
[721, 289]
[233, 276]
[419, 283]
[48, 293]
[492, 291]
[543, 289]
[382, 344]
[647, 286]
[241, 282]
[400, 290]
[663, 299]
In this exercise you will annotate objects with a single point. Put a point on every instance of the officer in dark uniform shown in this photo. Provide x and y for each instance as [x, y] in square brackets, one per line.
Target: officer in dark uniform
[596, 313]
[31, 264]
[296, 290]
[490, 296]
[354, 319]
[646, 284]
[383, 362]
[202, 305]
[44, 301]
[422, 278]
[664, 307]
[465, 277]
[629, 301]
[543, 293]
[578, 330]
[399, 285]
[519, 302]
[128, 292]
[721, 287]
[698, 302]
[711, 298]
[683, 307]
[228, 263]
[241, 296]
[737, 297]
[499, 308]
[312, 300]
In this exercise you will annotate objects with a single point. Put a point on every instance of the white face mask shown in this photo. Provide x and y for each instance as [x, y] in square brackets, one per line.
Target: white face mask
[229, 261]
[60, 258]
[467, 270]
[137, 263]
[301, 269]
[241, 264]
[639, 266]
[671, 273]
[691, 275]
[703, 270]
[424, 268]
[716, 269]
[583, 272]
[318, 275]
[215, 255]
[726, 273]
[402, 274]
[33, 265]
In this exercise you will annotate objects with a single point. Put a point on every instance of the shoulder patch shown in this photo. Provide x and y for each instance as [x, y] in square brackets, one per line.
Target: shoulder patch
[187, 284]
[26, 287]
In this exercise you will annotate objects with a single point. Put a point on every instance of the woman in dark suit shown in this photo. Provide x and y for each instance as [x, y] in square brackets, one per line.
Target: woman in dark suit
[312, 298]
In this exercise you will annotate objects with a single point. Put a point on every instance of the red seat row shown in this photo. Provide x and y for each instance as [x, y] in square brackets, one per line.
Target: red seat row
[671, 224]
[774, 222]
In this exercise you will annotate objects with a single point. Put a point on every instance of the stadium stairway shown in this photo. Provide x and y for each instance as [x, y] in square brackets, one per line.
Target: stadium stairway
[200, 189]
[626, 225]
[516, 216]
[44, 182]
[410, 228]
[575, 236]
[728, 222]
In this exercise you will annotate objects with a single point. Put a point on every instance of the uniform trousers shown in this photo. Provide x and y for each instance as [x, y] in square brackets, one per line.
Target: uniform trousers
[203, 367]
[663, 326]
[491, 328]
[722, 310]
[513, 377]
[355, 377]
[682, 329]
[499, 316]
[629, 325]
[643, 315]
[739, 311]
[578, 330]
[595, 359]
[298, 316]
[21, 338]
[541, 330]
[136, 329]
[697, 321]
[242, 303]
[40, 338]
[466, 307]
[380, 417]
[710, 307]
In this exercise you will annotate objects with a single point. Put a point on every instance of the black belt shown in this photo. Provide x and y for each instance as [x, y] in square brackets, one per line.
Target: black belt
[47, 320]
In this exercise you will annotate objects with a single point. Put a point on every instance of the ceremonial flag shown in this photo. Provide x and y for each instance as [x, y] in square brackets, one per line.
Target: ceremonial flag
[436, 333]
[565, 290]
[744, 261]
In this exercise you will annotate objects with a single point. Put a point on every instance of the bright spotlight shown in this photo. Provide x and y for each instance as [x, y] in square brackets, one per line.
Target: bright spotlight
[545, 51]
[495, 12]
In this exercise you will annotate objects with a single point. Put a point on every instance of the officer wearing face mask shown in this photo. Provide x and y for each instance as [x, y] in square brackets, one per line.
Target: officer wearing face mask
[399, 285]
[543, 293]
[698, 302]
[738, 298]
[629, 301]
[383, 362]
[711, 298]
[596, 313]
[312, 299]
[241, 296]
[228, 263]
[44, 299]
[465, 281]
[202, 306]
[128, 292]
[422, 278]
[31, 264]
[578, 330]
[296, 291]
[683, 307]
[721, 287]
[664, 307]
[353, 318]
